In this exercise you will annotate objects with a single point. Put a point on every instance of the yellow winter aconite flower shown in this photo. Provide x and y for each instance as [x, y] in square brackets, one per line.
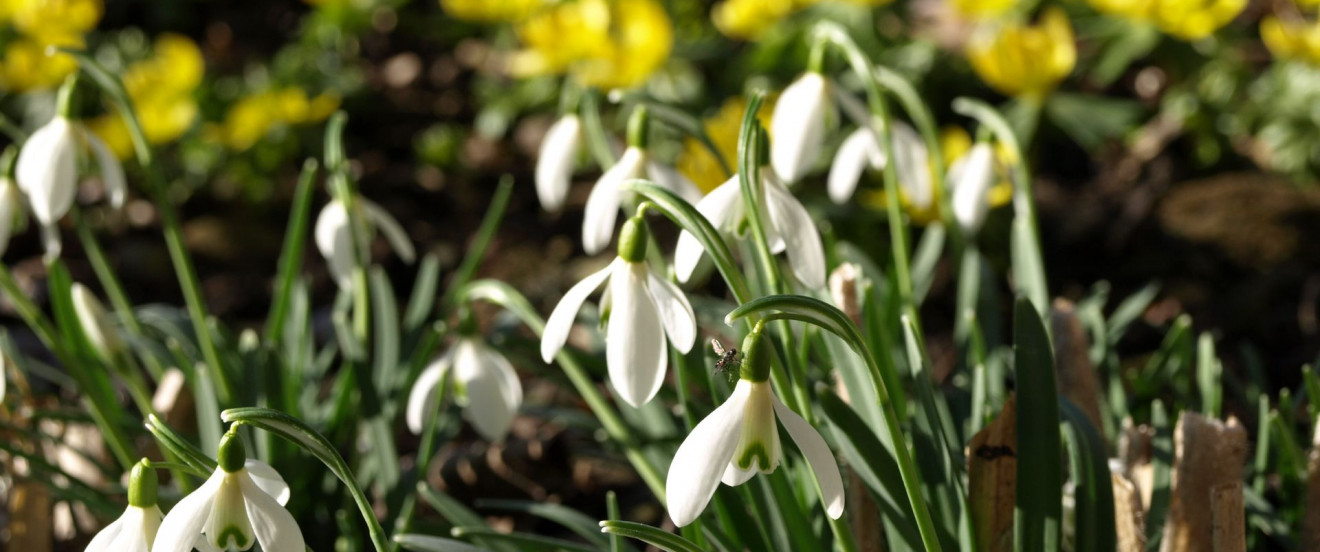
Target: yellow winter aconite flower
[253, 116]
[41, 25]
[604, 44]
[161, 89]
[1291, 39]
[491, 11]
[1185, 19]
[1025, 60]
[747, 19]
[698, 163]
[981, 9]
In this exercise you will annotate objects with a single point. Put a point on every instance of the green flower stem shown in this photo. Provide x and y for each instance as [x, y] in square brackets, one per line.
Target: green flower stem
[594, 131]
[183, 267]
[819, 313]
[502, 294]
[303, 435]
[291, 253]
[685, 122]
[114, 291]
[179, 467]
[1028, 266]
[490, 224]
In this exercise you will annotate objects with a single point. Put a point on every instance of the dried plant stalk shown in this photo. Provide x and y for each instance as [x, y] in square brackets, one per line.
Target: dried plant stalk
[1073, 366]
[992, 480]
[1228, 518]
[1128, 513]
[1207, 454]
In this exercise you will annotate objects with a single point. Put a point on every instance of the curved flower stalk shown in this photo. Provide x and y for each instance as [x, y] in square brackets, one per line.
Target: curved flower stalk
[643, 309]
[789, 228]
[484, 383]
[555, 162]
[912, 162]
[11, 209]
[334, 237]
[606, 198]
[972, 176]
[801, 115]
[48, 166]
[241, 504]
[741, 438]
[135, 530]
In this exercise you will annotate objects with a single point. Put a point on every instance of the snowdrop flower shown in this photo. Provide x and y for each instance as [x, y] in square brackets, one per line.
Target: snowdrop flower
[241, 504]
[11, 210]
[136, 528]
[484, 383]
[554, 164]
[740, 438]
[643, 309]
[95, 322]
[971, 177]
[335, 239]
[48, 166]
[606, 198]
[788, 226]
[798, 125]
[861, 150]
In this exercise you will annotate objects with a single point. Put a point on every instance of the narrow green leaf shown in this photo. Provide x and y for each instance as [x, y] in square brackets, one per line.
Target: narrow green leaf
[925, 259]
[427, 543]
[490, 223]
[573, 520]
[178, 446]
[1161, 460]
[1093, 495]
[295, 236]
[385, 324]
[663, 540]
[1312, 383]
[422, 301]
[1130, 310]
[459, 515]
[1038, 516]
[612, 509]
[1208, 374]
[523, 541]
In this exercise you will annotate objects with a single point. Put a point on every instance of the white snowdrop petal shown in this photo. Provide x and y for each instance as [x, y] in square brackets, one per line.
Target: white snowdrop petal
[555, 162]
[675, 312]
[268, 480]
[112, 173]
[818, 456]
[492, 402]
[912, 163]
[47, 170]
[798, 126]
[424, 394]
[635, 337]
[11, 202]
[670, 178]
[721, 207]
[703, 457]
[229, 525]
[602, 208]
[734, 476]
[180, 528]
[806, 254]
[274, 527]
[108, 540]
[560, 322]
[334, 238]
[971, 177]
[398, 238]
[849, 163]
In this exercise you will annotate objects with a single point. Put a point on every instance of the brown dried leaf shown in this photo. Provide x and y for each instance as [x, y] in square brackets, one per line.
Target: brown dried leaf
[992, 480]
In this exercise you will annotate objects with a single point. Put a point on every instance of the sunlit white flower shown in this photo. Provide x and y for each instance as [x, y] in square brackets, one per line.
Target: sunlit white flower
[47, 172]
[643, 310]
[606, 198]
[801, 115]
[554, 164]
[334, 236]
[971, 177]
[741, 438]
[861, 150]
[95, 322]
[789, 228]
[11, 210]
[241, 504]
[136, 528]
[484, 383]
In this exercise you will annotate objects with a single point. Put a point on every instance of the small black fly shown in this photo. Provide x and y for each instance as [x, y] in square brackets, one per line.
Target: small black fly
[729, 363]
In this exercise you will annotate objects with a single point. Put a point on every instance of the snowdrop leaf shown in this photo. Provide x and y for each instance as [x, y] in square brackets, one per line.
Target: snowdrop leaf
[663, 540]
[427, 543]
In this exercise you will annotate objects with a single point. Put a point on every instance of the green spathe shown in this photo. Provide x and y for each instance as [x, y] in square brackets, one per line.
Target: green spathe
[142, 483]
[632, 240]
[232, 453]
[757, 355]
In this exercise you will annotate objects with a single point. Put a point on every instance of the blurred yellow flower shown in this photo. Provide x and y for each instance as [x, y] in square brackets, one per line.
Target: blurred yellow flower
[252, 117]
[1291, 39]
[1185, 19]
[1025, 60]
[491, 11]
[161, 89]
[697, 162]
[604, 44]
[981, 9]
[747, 19]
[40, 25]
[955, 142]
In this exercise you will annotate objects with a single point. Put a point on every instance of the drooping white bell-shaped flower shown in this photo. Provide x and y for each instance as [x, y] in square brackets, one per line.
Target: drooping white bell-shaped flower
[802, 113]
[95, 322]
[971, 177]
[47, 172]
[554, 164]
[241, 504]
[606, 199]
[861, 150]
[334, 236]
[789, 228]
[741, 438]
[135, 530]
[11, 210]
[485, 384]
[644, 309]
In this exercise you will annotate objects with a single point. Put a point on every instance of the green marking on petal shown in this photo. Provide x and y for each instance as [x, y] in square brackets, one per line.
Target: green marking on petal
[232, 534]
[755, 451]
